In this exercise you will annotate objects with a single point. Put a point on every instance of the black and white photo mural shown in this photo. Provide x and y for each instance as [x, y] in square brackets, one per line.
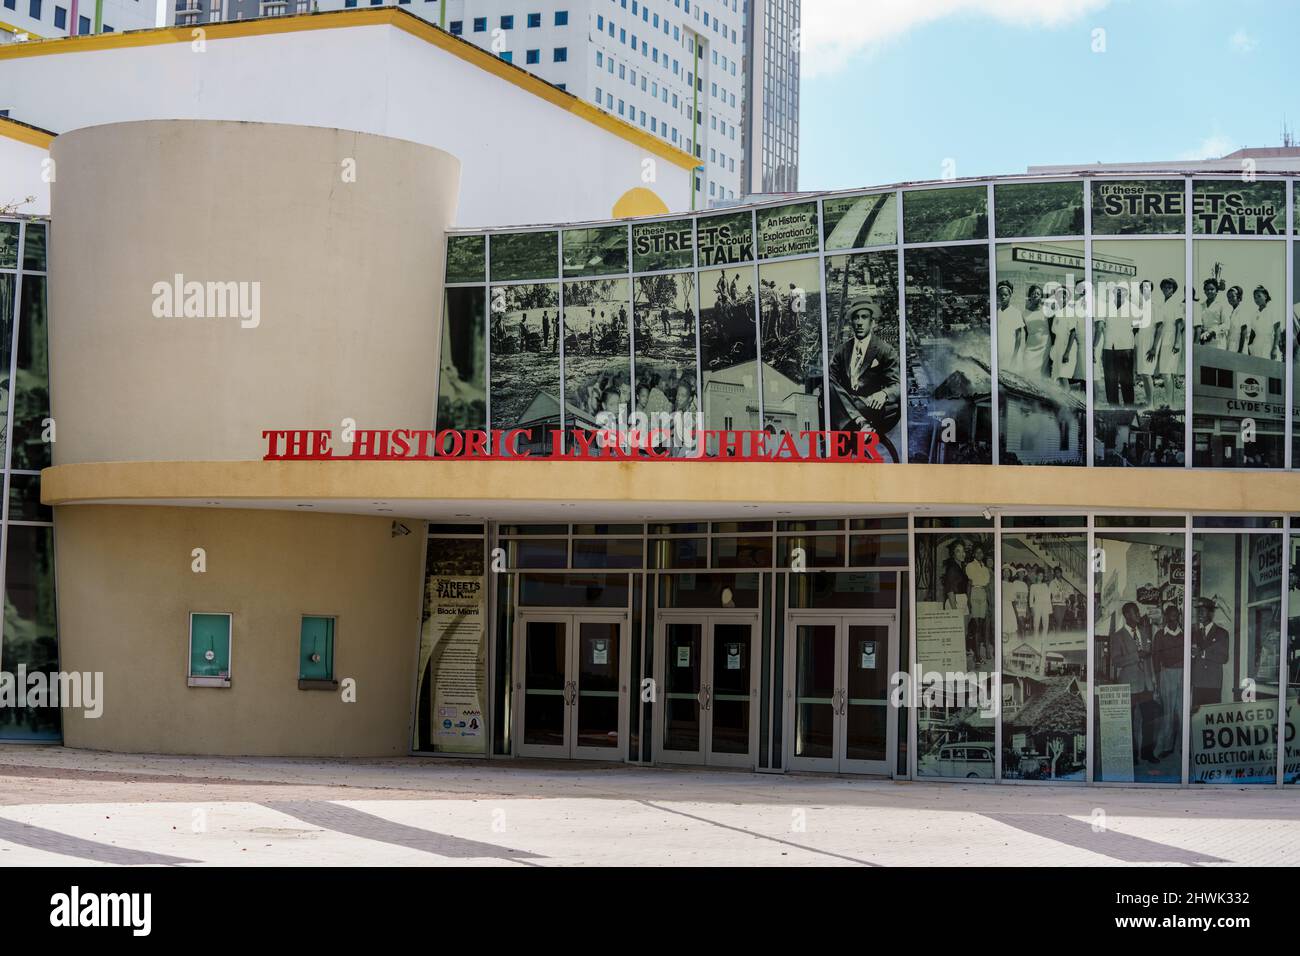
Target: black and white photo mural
[666, 340]
[524, 372]
[1082, 322]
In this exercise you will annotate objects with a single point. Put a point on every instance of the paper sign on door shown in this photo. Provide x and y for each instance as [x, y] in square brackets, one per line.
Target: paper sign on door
[733, 657]
[684, 656]
[868, 650]
[600, 652]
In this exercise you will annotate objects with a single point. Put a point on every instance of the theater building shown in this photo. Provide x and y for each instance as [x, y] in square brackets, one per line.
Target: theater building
[961, 429]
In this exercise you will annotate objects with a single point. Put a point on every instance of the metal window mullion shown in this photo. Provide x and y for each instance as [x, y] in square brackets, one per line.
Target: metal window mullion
[487, 335]
[631, 349]
[1282, 670]
[1186, 716]
[912, 672]
[824, 294]
[997, 646]
[1090, 640]
[904, 452]
[1288, 387]
[1188, 279]
[9, 416]
[559, 271]
[994, 414]
[1089, 386]
[758, 318]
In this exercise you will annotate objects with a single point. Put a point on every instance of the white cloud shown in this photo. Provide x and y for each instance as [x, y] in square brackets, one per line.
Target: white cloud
[1212, 147]
[833, 31]
[1242, 42]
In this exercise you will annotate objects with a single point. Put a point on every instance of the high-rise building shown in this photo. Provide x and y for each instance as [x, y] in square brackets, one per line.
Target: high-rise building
[771, 120]
[23, 20]
[674, 68]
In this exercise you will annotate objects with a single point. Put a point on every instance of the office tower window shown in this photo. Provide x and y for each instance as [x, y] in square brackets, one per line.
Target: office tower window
[508, 56]
[83, 25]
[561, 54]
[35, 9]
[533, 56]
[507, 23]
[60, 18]
[480, 24]
[561, 18]
[534, 20]
[457, 27]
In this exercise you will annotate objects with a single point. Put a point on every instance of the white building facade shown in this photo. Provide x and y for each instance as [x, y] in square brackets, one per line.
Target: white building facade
[23, 20]
[511, 130]
[674, 68]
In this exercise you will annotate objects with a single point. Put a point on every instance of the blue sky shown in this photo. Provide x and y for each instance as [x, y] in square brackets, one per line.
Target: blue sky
[892, 88]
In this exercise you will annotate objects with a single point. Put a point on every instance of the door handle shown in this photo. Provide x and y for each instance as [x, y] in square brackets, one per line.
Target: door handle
[841, 698]
[708, 697]
[570, 693]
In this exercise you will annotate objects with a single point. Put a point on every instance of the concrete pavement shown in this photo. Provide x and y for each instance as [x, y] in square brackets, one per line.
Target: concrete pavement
[61, 806]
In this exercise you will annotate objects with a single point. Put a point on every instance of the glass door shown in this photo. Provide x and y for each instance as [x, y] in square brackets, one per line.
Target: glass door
[681, 725]
[814, 695]
[709, 669]
[543, 686]
[598, 689]
[571, 681]
[732, 692]
[837, 695]
[868, 719]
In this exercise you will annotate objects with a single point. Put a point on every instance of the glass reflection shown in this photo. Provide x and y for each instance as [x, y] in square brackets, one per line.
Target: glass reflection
[1138, 643]
[1044, 656]
[954, 636]
[949, 385]
[525, 368]
[1236, 645]
[1238, 355]
[1139, 352]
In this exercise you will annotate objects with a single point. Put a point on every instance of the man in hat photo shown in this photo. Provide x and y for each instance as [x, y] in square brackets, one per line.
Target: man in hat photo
[1130, 661]
[1209, 654]
[864, 375]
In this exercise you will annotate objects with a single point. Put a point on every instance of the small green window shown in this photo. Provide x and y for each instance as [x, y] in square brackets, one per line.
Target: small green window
[209, 650]
[316, 649]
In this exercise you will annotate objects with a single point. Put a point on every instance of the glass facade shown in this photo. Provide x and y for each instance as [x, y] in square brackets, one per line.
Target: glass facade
[28, 633]
[1087, 321]
[1064, 648]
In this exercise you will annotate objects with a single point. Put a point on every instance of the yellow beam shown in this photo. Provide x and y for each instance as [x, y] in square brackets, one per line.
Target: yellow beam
[668, 483]
[12, 129]
[10, 28]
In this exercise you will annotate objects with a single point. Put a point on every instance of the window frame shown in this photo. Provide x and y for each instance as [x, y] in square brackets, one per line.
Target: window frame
[320, 683]
[193, 680]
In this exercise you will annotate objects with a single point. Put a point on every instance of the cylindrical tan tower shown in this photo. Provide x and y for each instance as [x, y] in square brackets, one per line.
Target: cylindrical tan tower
[215, 279]
[211, 280]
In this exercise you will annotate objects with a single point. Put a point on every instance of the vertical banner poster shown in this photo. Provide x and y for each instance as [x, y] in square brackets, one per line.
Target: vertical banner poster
[453, 646]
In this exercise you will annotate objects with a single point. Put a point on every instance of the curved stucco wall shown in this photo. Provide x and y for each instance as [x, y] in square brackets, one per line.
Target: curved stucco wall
[336, 238]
